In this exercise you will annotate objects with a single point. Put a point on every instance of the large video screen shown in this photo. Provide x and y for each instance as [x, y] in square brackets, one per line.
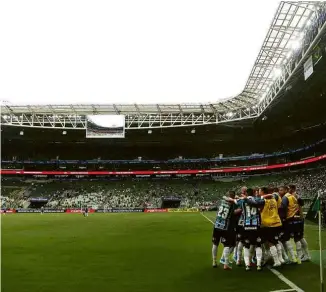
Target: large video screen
[105, 126]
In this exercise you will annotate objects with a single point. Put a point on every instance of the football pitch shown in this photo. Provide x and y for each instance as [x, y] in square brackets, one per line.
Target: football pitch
[130, 252]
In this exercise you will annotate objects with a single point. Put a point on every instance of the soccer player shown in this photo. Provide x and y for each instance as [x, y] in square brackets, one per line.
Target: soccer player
[224, 231]
[239, 245]
[277, 196]
[271, 223]
[251, 221]
[86, 212]
[42, 210]
[303, 251]
[281, 192]
[290, 211]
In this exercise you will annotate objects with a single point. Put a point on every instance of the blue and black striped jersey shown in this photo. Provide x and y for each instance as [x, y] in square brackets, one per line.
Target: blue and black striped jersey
[250, 217]
[224, 214]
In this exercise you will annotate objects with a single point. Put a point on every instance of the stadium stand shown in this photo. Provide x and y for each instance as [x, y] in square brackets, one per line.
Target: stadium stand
[133, 193]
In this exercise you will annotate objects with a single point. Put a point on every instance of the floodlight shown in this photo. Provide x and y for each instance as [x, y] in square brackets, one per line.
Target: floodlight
[21, 133]
[277, 72]
[295, 45]
[193, 131]
[288, 56]
[229, 114]
[64, 132]
[150, 132]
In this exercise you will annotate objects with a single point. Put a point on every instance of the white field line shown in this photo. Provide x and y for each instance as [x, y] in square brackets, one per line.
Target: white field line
[276, 273]
[207, 218]
[285, 280]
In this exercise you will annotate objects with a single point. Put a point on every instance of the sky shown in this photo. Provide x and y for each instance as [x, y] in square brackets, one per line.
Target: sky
[127, 51]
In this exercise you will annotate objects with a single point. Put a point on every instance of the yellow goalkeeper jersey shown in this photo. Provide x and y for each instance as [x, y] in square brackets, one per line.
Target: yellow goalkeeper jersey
[269, 214]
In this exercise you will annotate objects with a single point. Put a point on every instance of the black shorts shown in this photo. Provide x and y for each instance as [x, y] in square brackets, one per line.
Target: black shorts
[293, 229]
[239, 233]
[271, 234]
[226, 237]
[251, 237]
[302, 228]
[281, 234]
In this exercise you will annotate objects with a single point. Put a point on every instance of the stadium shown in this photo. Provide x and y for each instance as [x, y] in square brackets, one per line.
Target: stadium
[151, 177]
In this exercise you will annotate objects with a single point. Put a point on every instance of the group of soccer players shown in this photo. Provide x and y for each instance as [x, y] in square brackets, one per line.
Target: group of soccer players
[260, 223]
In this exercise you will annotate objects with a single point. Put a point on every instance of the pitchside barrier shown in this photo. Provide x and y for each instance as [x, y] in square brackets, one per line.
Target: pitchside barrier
[184, 210]
[117, 210]
[109, 210]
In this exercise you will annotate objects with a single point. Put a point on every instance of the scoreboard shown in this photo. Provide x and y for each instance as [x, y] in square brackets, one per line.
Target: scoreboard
[105, 126]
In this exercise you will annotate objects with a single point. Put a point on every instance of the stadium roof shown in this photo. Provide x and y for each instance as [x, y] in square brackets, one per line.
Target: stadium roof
[290, 40]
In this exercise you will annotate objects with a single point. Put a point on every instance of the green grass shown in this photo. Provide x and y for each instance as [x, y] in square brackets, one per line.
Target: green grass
[127, 252]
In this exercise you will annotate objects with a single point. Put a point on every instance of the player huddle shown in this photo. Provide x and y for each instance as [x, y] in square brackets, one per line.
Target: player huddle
[260, 223]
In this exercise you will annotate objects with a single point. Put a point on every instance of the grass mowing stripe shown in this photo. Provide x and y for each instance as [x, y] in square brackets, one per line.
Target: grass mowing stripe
[276, 273]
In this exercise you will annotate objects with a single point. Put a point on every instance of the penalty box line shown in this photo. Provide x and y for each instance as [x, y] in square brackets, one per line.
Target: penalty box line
[275, 272]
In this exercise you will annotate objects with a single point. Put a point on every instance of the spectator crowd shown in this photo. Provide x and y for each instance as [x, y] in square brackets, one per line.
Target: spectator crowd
[148, 193]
